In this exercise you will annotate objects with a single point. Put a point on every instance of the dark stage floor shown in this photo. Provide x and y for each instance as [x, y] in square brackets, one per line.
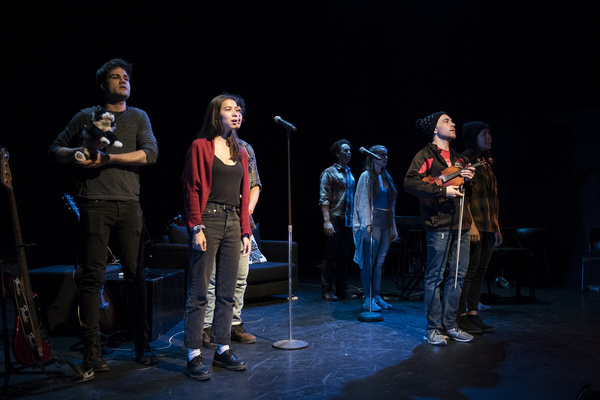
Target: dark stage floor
[544, 350]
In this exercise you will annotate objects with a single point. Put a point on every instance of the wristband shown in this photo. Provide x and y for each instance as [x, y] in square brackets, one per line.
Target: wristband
[198, 228]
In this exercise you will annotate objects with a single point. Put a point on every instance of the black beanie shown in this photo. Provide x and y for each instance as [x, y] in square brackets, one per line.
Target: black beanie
[470, 132]
[428, 124]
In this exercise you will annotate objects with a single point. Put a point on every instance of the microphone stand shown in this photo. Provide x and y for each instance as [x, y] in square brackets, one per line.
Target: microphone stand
[460, 218]
[289, 344]
[370, 316]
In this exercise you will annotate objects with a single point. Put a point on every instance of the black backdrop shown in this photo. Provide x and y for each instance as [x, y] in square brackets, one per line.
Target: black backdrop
[363, 70]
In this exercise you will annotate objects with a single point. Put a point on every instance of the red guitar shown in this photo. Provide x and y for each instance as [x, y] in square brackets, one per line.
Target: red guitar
[108, 317]
[31, 345]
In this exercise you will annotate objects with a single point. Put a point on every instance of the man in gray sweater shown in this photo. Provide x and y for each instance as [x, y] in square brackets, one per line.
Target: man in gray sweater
[108, 189]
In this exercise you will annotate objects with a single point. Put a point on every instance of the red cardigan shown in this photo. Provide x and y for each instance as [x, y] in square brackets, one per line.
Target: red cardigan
[197, 179]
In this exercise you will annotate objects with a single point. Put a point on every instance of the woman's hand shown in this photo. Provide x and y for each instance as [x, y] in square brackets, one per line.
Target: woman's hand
[246, 246]
[497, 239]
[475, 238]
[393, 234]
[199, 241]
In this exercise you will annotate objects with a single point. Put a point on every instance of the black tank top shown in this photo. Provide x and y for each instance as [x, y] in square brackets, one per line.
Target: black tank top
[226, 183]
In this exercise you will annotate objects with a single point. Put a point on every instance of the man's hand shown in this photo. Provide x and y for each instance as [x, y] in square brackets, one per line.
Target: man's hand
[468, 172]
[97, 159]
[328, 228]
[452, 191]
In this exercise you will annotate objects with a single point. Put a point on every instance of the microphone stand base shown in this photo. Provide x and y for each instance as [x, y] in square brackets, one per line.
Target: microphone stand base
[370, 317]
[290, 344]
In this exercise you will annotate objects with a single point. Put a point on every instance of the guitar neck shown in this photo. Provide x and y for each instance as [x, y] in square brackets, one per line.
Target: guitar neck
[20, 245]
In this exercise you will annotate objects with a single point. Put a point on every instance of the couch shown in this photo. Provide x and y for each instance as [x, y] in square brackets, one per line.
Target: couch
[264, 278]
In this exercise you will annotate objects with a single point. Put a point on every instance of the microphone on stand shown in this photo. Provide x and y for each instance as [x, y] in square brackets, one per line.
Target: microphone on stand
[284, 123]
[368, 153]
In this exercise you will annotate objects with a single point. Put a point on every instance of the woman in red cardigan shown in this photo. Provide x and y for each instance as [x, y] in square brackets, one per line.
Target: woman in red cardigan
[215, 191]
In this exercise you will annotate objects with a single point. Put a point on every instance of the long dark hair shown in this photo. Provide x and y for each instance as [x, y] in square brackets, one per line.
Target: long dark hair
[212, 126]
[370, 168]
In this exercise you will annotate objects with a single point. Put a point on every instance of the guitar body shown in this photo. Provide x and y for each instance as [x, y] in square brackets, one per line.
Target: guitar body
[22, 347]
[31, 346]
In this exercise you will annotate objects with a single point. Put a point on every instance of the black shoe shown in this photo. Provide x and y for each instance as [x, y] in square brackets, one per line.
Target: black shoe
[330, 296]
[93, 359]
[229, 361]
[477, 321]
[197, 370]
[206, 339]
[143, 353]
[464, 324]
[146, 358]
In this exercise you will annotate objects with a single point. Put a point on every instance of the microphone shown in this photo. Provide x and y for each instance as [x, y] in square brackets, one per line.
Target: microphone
[370, 154]
[284, 123]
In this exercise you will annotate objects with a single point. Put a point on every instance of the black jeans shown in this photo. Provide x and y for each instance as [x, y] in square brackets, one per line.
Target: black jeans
[98, 219]
[223, 236]
[479, 258]
[336, 258]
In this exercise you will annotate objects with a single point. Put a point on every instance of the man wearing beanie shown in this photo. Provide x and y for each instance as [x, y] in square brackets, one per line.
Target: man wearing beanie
[439, 205]
[485, 230]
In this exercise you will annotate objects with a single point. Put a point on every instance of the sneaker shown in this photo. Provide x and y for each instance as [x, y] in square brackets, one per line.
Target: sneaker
[207, 340]
[464, 324]
[483, 307]
[459, 335]
[93, 358]
[381, 303]
[228, 360]
[477, 321]
[239, 334]
[435, 337]
[197, 370]
[374, 306]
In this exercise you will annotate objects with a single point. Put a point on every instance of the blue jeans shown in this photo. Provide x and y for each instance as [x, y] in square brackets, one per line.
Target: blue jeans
[381, 244]
[223, 236]
[441, 254]
[98, 218]
[240, 289]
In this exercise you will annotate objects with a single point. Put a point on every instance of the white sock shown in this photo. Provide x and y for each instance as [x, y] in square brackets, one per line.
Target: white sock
[222, 348]
[193, 353]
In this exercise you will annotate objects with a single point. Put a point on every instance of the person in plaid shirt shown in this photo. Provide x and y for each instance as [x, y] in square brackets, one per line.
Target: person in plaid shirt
[336, 200]
[485, 230]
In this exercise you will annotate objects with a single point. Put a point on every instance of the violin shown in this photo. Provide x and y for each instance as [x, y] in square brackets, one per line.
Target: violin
[451, 175]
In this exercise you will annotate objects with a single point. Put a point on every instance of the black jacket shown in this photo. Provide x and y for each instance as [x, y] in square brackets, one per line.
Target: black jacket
[438, 212]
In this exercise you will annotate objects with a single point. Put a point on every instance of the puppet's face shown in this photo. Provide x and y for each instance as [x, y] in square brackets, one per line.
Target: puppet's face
[105, 123]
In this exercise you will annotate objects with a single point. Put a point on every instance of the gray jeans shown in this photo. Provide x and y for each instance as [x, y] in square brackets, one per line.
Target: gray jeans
[240, 289]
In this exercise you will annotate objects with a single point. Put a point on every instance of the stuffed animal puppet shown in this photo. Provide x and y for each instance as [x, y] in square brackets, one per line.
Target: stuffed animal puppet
[98, 134]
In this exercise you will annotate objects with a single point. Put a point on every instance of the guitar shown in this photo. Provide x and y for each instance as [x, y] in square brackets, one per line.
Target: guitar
[108, 317]
[31, 345]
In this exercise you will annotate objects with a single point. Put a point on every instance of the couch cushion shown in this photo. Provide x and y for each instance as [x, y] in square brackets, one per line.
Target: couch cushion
[256, 257]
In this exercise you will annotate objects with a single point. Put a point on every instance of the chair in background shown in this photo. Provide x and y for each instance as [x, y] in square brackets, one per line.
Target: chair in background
[593, 253]
[534, 239]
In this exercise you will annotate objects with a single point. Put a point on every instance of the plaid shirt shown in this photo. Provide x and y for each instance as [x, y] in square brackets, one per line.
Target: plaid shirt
[253, 177]
[483, 197]
[337, 192]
